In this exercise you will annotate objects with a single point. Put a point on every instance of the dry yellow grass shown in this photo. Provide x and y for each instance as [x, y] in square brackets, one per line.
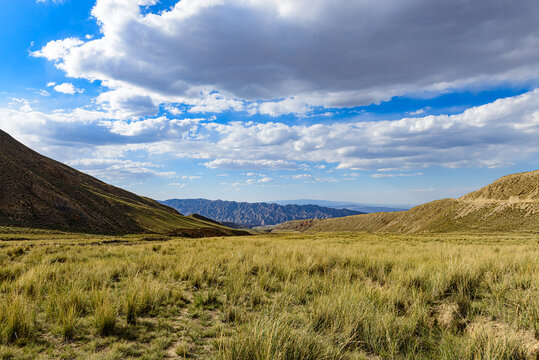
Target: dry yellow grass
[510, 204]
[291, 296]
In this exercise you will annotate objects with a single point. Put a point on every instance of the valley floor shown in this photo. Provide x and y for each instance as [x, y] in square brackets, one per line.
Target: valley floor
[285, 296]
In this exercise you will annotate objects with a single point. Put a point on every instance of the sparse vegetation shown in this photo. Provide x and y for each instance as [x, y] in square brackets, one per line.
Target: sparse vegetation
[286, 296]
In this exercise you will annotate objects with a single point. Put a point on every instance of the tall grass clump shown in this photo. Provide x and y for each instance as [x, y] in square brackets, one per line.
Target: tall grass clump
[141, 297]
[356, 318]
[17, 318]
[66, 306]
[275, 338]
[68, 320]
[104, 313]
[487, 342]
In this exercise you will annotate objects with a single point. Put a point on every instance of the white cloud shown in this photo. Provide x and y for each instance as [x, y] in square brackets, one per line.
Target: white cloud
[279, 57]
[52, 1]
[180, 185]
[173, 110]
[391, 175]
[302, 176]
[265, 179]
[119, 169]
[276, 108]
[215, 102]
[153, 128]
[420, 111]
[57, 50]
[308, 178]
[22, 104]
[251, 181]
[67, 88]
[251, 164]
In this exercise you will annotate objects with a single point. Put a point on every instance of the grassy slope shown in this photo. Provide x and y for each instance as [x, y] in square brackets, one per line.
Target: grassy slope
[38, 192]
[509, 204]
[162, 219]
[295, 296]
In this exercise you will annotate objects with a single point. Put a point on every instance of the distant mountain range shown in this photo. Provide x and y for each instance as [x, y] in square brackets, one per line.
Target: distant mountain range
[511, 203]
[365, 208]
[38, 192]
[254, 214]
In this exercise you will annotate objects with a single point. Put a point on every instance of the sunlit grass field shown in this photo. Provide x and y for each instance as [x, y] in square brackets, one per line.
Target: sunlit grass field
[284, 296]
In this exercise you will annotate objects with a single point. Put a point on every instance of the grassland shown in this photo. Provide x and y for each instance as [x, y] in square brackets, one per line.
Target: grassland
[285, 296]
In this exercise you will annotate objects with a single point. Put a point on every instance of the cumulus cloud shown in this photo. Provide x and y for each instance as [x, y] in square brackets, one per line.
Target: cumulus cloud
[191, 177]
[180, 185]
[265, 179]
[420, 111]
[275, 108]
[22, 104]
[276, 57]
[251, 181]
[495, 134]
[153, 128]
[118, 169]
[302, 176]
[67, 88]
[259, 164]
[308, 178]
[57, 50]
[391, 175]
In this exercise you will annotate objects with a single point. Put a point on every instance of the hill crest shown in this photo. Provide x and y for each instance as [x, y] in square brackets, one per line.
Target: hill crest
[510, 203]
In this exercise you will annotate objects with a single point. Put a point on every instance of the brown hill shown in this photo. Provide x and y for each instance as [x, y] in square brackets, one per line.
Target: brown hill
[39, 192]
[511, 203]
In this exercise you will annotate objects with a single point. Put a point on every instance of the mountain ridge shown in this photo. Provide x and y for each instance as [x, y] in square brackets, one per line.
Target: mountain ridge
[253, 214]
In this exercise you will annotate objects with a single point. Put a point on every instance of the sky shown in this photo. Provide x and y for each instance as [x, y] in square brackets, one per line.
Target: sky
[382, 102]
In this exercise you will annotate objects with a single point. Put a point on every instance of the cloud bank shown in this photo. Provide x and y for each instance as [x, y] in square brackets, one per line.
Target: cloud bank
[275, 57]
[490, 135]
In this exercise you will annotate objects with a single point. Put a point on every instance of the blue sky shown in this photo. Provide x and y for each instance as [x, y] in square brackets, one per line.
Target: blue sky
[392, 102]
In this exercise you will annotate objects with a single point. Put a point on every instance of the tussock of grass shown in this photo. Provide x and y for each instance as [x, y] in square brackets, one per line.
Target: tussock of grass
[17, 318]
[66, 308]
[68, 322]
[183, 349]
[209, 300]
[104, 312]
[141, 297]
[276, 338]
